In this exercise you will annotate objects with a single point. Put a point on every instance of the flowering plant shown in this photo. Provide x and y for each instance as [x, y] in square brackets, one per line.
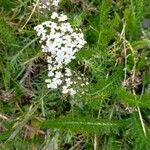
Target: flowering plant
[60, 42]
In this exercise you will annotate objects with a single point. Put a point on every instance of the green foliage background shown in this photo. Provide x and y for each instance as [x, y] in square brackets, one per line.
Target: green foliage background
[114, 112]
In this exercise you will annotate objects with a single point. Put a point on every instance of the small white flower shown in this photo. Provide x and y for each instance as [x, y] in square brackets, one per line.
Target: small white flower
[68, 82]
[87, 83]
[56, 2]
[53, 26]
[58, 75]
[54, 15]
[82, 84]
[47, 3]
[79, 78]
[62, 18]
[57, 81]
[74, 82]
[50, 74]
[49, 59]
[49, 86]
[53, 85]
[65, 90]
[46, 23]
[82, 92]
[48, 81]
[72, 91]
[68, 72]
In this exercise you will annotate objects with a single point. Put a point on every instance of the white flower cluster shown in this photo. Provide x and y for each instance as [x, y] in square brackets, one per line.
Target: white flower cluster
[47, 4]
[60, 42]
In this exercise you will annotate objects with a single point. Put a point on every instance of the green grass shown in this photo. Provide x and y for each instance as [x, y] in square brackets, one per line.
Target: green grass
[114, 112]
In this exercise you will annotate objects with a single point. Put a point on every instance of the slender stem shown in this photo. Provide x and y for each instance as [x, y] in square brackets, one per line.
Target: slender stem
[125, 52]
[126, 42]
[30, 14]
[96, 147]
[140, 116]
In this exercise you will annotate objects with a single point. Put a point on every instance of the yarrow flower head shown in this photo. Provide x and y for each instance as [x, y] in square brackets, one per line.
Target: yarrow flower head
[47, 4]
[60, 42]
